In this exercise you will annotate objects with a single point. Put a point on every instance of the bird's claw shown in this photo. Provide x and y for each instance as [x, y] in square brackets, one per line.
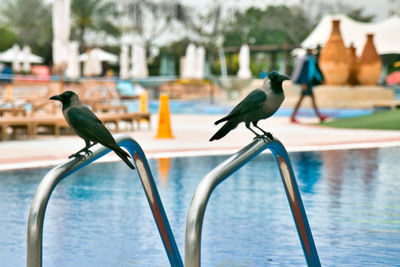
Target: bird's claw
[76, 155]
[269, 136]
[258, 136]
[79, 155]
[266, 137]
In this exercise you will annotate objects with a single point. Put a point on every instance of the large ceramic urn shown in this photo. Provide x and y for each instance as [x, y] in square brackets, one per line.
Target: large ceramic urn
[353, 63]
[369, 64]
[334, 62]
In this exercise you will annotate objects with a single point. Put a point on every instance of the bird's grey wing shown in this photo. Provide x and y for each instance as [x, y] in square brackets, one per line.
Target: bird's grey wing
[88, 126]
[251, 102]
[87, 113]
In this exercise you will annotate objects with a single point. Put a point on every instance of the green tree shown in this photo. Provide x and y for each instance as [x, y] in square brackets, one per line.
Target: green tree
[95, 16]
[358, 14]
[316, 9]
[30, 20]
[276, 25]
[7, 38]
[149, 19]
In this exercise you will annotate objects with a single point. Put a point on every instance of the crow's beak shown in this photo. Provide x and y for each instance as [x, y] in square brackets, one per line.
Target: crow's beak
[55, 97]
[283, 77]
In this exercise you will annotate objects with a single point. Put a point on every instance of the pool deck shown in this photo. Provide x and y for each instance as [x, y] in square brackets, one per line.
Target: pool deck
[191, 134]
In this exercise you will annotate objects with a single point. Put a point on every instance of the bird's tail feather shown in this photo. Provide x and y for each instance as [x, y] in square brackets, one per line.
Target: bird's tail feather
[221, 120]
[124, 156]
[225, 129]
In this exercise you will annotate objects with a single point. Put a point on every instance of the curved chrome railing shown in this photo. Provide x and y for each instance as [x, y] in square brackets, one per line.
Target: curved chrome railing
[203, 192]
[58, 173]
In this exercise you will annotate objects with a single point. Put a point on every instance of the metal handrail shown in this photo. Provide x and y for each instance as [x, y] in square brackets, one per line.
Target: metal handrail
[203, 192]
[58, 173]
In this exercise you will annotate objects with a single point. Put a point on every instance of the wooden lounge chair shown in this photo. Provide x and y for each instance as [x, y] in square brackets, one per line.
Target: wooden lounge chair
[108, 108]
[15, 123]
[12, 111]
[14, 118]
[52, 122]
[137, 118]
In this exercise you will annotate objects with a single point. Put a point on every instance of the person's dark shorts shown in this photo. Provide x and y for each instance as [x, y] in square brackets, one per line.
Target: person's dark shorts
[308, 91]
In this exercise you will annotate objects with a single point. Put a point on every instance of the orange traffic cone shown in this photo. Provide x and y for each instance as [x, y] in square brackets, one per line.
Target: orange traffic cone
[9, 92]
[164, 122]
[143, 106]
[164, 165]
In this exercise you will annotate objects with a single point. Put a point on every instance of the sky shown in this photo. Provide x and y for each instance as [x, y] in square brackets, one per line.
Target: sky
[371, 7]
[376, 7]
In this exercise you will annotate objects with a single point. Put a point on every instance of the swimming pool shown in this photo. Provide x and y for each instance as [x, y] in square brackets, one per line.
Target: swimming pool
[95, 218]
[204, 107]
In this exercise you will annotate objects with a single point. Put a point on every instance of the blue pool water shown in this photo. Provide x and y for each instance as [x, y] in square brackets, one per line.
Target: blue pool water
[204, 107]
[98, 218]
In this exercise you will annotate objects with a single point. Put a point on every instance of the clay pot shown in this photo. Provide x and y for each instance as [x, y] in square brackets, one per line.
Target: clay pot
[334, 62]
[353, 65]
[369, 64]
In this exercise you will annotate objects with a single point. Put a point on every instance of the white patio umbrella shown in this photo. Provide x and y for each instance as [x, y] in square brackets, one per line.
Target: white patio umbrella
[73, 70]
[189, 62]
[134, 62]
[144, 71]
[244, 62]
[139, 63]
[124, 62]
[16, 59]
[61, 22]
[199, 63]
[101, 55]
[26, 64]
[8, 56]
[92, 64]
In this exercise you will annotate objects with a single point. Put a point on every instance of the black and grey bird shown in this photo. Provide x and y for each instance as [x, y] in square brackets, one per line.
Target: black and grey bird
[86, 124]
[258, 105]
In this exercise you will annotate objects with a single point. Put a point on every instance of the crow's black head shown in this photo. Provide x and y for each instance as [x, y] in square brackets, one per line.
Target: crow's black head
[276, 81]
[64, 97]
[276, 77]
[67, 98]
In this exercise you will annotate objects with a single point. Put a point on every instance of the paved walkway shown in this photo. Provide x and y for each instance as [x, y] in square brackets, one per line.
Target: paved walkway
[191, 134]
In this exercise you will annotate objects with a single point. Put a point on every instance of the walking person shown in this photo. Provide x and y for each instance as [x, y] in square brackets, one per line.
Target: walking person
[307, 74]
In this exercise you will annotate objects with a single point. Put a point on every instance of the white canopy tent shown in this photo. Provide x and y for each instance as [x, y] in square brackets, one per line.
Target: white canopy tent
[386, 33]
[101, 56]
[9, 56]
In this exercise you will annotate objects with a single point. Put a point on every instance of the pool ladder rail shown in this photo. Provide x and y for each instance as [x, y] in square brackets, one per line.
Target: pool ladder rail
[197, 208]
[62, 171]
[206, 186]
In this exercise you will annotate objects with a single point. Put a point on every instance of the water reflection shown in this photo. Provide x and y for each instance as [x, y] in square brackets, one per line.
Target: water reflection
[99, 218]
[369, 159]
[308, 170]
[164, 165]
[335, 164]
[354, 165]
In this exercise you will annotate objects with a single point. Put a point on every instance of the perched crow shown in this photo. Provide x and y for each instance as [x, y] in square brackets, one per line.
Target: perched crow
[86, 124]
[258, 105]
